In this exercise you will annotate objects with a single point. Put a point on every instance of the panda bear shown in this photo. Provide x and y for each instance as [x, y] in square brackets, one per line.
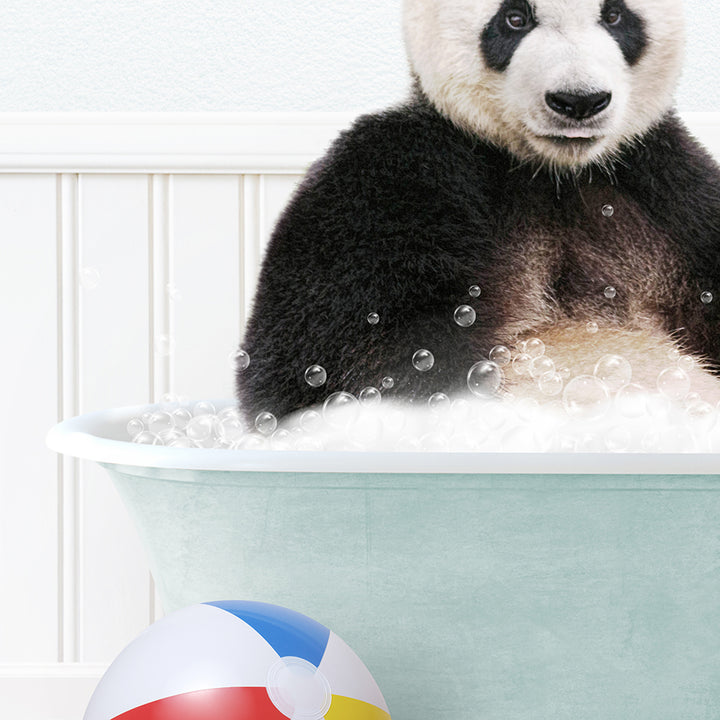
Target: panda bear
[537, 177]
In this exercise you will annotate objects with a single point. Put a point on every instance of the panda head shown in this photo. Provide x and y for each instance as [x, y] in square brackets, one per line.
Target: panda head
[560, 82]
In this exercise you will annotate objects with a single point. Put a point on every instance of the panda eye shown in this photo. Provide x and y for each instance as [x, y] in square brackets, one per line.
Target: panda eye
[517, 20]
[613, 17]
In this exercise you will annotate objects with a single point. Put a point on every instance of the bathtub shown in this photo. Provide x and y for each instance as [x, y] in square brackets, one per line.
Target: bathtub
[502, 587]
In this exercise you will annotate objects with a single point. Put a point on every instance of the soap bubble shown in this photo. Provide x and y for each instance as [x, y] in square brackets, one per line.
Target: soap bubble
[439, 401]
[164, 345]
[134, 427]
[592, 327]
[534, 347]
[370, 396]
[521, 363]
[464, 315]
[170, 435]
[608, 210]
[388, 383]
[550, 383]
[160, 422]
[341, 409]
[485, 378]
[673, 383]
[614, 370]
[239, 360]
[200, 428]
[315, 376]
[630, 400]
[89, 278]
[173, 293]
[706, 297]
[474, 291]
[183, 442]
[423, 360]
[281, 439]
[310, 420]
[204, 407]
[373, 318]
[500, 355]
[265, 423]
[610, 292]
[147, 438]
[181, 417]
[540, 366]
[686, 362]
[250, 441]
[586, 398]
[230, 429]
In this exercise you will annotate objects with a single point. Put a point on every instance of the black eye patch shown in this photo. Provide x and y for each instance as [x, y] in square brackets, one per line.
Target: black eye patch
[626, 28]
[505, 31]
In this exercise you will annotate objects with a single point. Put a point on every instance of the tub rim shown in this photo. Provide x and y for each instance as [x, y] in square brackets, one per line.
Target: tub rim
[82, 437]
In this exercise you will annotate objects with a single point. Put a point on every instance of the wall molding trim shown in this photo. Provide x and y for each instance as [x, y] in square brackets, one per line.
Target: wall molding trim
[192, 142]
[165, 142]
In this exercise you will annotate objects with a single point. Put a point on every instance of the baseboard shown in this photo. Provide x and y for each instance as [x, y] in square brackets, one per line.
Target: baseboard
[47, 692]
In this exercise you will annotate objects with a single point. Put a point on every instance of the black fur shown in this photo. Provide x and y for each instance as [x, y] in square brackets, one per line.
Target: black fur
[628, 32]
[498, 40]
[406, 212]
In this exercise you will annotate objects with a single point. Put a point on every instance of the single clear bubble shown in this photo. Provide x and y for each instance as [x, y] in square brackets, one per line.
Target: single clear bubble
[550, 383]
[281, 439]
[464, 316]
[147, 438]
[370, 396]
[135, 426]
[315, 376]
[181, 417]
[164, 345]
[250, 441]
[534, 347]
[160, 422]
[474, 291]
[230, 429]
[610, 292]
[586, 398]
[423, 360]
[673, 383]
[439, 401]
[200, 428]
[169, 436]
[521, 363]
[608, 210]
[89, 278]
[173, 293]
[266, 423]
[592, 327]
[630, 400]
[541, 366]
[310, 420]
[239, 360]
[500, 355]
[388, 383]
[687, 363]
[706, 297]
[341, 409]
[614, 370]
[228, 412]
[204, 407]
[373, 318]
[485, 378]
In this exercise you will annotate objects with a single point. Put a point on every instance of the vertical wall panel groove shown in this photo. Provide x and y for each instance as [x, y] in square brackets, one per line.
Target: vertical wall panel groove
[68, 405]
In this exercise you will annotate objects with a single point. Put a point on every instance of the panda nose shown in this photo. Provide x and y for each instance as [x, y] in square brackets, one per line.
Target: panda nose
[578, 106]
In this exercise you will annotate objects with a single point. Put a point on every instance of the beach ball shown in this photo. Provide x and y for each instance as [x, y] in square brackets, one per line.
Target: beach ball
[237, 661]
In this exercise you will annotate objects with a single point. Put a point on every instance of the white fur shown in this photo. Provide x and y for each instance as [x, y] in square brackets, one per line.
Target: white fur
[568, 51]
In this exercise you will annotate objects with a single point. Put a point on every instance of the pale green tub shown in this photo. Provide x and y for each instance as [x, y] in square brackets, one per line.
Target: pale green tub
[474, 586]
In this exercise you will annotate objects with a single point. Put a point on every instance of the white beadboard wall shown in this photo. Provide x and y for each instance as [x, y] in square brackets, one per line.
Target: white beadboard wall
[129, 247]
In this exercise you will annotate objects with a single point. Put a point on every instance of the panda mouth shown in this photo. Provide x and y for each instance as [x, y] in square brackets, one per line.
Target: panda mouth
[570, 141]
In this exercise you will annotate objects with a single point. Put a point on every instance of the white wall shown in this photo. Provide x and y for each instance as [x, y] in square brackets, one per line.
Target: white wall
[240, 55]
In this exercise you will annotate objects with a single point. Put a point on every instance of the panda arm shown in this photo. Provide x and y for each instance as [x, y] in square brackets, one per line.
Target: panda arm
[381, 225]
[677, 182]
